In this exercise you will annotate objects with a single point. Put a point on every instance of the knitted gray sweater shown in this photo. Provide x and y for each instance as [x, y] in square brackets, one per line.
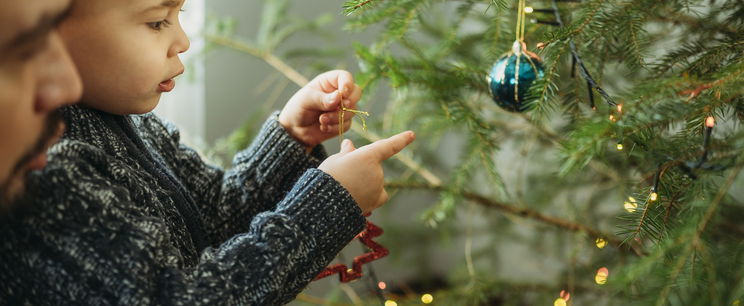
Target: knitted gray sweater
[124, 214]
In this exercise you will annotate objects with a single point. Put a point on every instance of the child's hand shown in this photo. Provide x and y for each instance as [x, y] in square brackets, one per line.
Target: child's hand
[360, 170]
[311, 115]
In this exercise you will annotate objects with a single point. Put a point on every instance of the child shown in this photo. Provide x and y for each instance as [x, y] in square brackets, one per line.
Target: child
[127, 215]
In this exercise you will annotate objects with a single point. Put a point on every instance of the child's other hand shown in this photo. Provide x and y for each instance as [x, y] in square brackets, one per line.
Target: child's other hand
[360, 170]
[311, 115]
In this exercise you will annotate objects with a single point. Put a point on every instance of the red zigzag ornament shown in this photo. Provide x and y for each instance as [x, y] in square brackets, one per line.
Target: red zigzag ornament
[378, 251]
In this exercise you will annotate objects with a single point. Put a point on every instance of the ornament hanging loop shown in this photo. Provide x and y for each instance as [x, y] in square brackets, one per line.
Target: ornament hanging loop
[519, 32]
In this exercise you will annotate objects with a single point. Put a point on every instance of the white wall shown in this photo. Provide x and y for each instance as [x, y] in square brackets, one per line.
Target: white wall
[185, 105]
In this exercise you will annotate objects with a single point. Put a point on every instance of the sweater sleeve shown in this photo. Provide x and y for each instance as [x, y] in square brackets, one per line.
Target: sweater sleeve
[93, 246]
[260, 176]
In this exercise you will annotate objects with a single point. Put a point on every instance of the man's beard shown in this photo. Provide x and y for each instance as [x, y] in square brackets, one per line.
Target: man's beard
[8, 200]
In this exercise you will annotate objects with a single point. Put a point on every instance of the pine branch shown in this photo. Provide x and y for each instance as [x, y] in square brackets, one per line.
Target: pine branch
[523, 212]
[351, 7]
[696, 238]
[577, 59]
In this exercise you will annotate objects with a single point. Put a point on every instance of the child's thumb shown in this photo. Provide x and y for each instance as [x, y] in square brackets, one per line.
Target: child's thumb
[347, 146]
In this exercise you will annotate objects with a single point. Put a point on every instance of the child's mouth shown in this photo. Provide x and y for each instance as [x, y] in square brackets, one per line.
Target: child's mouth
[167, 86]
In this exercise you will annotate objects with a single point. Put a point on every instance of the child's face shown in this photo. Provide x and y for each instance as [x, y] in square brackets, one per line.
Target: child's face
[126, 51]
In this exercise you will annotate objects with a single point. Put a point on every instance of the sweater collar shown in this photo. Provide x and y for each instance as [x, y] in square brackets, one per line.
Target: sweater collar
[93, 127]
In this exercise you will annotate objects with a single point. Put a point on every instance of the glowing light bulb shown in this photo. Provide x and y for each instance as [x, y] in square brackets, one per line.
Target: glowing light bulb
[654, 196]
[620, 108]
[528, 9]
[559, 302]
[601, 243]
[710, 121]
[612, 118]
[390, 303]
[427, 298]
[631, 204]
[563, 299]
[381, 285]
[601, 277]
[619, 146]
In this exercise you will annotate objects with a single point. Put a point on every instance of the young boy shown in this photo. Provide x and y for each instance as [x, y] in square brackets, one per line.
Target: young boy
[127, 215]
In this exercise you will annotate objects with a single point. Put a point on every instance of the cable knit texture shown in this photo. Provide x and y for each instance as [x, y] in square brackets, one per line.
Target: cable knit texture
[124, 214]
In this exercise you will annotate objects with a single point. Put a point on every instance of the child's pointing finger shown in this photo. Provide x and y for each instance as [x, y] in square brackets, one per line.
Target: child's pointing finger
[386, 148]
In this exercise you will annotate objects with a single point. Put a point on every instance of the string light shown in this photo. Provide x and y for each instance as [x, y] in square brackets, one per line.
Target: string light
[559, 302]
[390, 303]
[710, 122]
[631, 204]
[654, 196]
[612, 118]
[620, 108]
[601, 243]
[381, 285]
[562, 299]
[601, 277]
[529, 9]
[427, 298]
[619, 146]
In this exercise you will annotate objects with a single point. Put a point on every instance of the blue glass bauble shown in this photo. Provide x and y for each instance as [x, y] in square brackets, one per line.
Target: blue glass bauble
[512, 75]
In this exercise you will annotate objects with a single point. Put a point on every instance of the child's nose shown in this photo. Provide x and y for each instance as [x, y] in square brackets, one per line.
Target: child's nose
[181, 43]
[58, 80]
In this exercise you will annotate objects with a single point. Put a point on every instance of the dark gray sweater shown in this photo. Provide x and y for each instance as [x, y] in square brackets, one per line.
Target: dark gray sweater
[124, 214]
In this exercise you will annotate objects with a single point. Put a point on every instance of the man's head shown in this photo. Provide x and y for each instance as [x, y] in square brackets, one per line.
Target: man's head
[126, 51]
[36, 78]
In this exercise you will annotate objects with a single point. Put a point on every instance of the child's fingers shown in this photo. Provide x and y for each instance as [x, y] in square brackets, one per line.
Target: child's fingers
[333, 117]
[347, 146]
[384, 197]
[323, 101]
[386, 148]
[355, 95]
[333, 80]
[333, 128]
[344, 82]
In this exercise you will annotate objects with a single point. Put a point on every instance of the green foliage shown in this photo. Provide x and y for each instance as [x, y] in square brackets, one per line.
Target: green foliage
[670, 63]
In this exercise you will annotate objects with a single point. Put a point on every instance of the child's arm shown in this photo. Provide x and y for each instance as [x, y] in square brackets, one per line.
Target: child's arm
[94, 246]
[85, 243]
[262, 174]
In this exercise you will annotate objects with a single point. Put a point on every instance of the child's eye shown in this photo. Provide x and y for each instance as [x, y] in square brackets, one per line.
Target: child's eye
[158, 25]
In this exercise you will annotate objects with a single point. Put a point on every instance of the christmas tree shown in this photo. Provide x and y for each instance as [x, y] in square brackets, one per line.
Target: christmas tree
[607, 173]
